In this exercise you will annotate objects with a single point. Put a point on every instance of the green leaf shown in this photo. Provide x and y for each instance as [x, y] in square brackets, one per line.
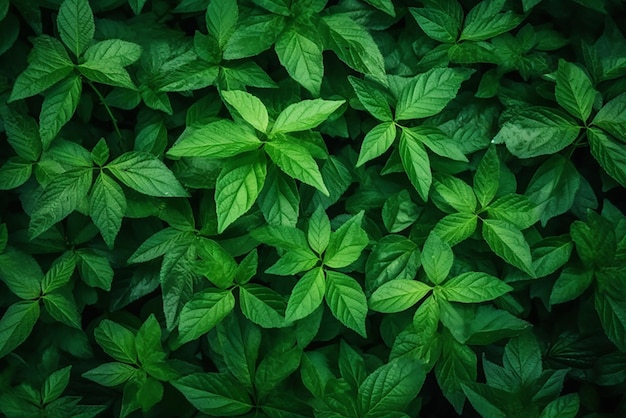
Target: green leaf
[398, 295]
[553, 187]
[474, 287]
[238, 187]
[59, 273]
[487, 400]
[262, 305]
[438, 142]
[574, 91]
[437, 258]
[75, 24]
[354, 45]
[346, 301]
[318, 230]
[522, 357]
[214, 393]
[393, 257]
[294, 262]
[112, 74]
[279, 199]
[203, 312]
[383, 5]
[508, 243]
[48, 63]
[456, 227]
[612, 117]
[251, 109]
[216, 140]
[158, 244]
[60, 103]
[297, 162]
[137, 5]
[399, 212]
[612, 314]
[241, 340]
[571, 283]
[609, 153]
[304, 115]
[58, 199]
[55, 384]
[21, 273]
[285, 237]
[456, 367]
[22, 133]
[565, 406]
[302, 58]
[440, 21]
[276, 367]
[550, 254]
[15, 172]
[214, 262]
[416, 163]
[537, 131]
[595, 241]
[485, 21]
[114, 52]
[95, 269]
[428, 93]
[111, 374]
[16, 325]
[107, 206]
[390, 387]
[148, 342]
[221, 18]
[516, 209]
[487, 177]
[117, 341]
[346, 243]
[253, 35]
[456, 193]
[307, 295]
[377, 142]
[372, 98]
[62, 307]
[146, 174]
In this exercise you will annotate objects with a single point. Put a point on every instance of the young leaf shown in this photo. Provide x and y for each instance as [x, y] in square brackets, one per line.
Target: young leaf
[216, 140]
[574, 91]
[146, 174]
[117, 341]
[75, 24]
[203, 312]
[537, 131]
[456, 227]
[111, 374]
[318, 231]
[428, 93]
[297, 162]
[437, 258]
[372, 98]
[304, 115]
[48, 63]
[346, 301]
[60, 103]
[55, 384]
[59, 199]
[456, 193]
[302, 58]
[416, 163]
[16, 325]
[251, 109]
[508, 243]
[377, 142]
[390, 387]
[107, 206]
[214, 393]
[398, 295]
[148, 342]
[221, 18]
[279, 199]
[487, 177]
[399, 212]
[474, 287]
[485, 21]
[262, 305]
[346, 243]
[238, 187]
[307, 295]
[294, 262]
[113, 52]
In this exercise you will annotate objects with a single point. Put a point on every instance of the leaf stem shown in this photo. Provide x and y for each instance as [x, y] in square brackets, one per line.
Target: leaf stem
[108, 109]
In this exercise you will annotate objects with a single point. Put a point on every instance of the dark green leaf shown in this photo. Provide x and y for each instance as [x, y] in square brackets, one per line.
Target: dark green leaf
[508, 243]
[21, 273]
[574, 91]
[117, 341]
[203, 312]
[214, 393]
[456, 367]
[485, 21]
[16, 325]
[55, 384]
[111, 374]
[221, 18]
[76, 26]
[609, 153]
[107, 206]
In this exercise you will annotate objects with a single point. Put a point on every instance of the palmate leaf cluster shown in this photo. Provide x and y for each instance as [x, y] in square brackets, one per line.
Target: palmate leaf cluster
[297, 208]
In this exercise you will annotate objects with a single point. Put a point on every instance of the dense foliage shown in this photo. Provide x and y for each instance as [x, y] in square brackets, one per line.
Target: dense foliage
[294, 208]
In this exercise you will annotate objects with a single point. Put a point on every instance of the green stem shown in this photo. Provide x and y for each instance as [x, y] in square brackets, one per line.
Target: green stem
[108, 109]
